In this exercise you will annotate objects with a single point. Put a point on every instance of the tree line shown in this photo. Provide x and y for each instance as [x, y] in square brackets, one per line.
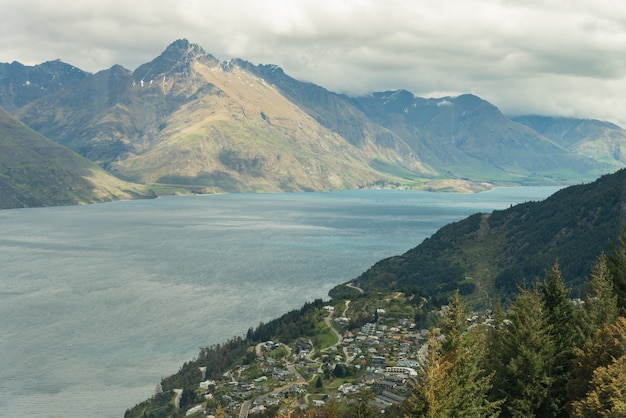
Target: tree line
[546, 355]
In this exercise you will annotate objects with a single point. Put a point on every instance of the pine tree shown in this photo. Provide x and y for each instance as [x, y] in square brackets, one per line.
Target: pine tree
[220, 413]
[600, 303]
[331, 409]
[559, 316]
[318, 383]
[429, 397]
[470, 382]
[363, 407]
[522, 356]
[452, 380]
[607, 394]
[454, 323]
[617, 266]
[599, 328]
[608, 344]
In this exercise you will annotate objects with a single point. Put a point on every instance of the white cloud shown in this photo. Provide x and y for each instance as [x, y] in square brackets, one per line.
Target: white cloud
[550, 57]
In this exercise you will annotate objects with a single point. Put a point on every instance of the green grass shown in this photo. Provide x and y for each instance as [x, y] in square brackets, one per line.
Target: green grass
[187, 138]
[327, 338]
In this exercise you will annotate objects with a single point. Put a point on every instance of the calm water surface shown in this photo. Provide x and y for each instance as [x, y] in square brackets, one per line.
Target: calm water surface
[99, 302]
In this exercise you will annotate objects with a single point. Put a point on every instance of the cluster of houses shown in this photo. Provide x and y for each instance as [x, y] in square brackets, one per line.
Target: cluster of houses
[383, 358]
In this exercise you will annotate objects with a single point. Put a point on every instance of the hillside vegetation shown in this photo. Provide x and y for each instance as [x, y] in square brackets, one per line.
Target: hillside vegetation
[37, 172]
[489, 255]
[398, 355]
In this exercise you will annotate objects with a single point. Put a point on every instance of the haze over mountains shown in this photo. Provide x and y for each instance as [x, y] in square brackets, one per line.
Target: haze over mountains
[188, 121]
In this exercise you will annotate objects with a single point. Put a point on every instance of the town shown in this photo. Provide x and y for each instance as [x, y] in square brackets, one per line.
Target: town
[376, 363]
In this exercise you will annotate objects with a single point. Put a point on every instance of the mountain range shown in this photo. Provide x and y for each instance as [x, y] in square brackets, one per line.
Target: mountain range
[187, 121]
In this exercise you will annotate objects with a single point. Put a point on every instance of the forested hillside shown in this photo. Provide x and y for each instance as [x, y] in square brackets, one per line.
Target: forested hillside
[492, 254]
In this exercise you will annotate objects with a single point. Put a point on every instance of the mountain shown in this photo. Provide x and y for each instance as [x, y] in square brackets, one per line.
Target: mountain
[337, 113]
[21, 84]
[453, 137]
[468, 137]
[603, 141]
[185, 119]
[491, 254]
[37, 172]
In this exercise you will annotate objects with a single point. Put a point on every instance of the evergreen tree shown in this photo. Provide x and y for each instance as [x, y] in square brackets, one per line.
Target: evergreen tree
[363, 407]
[559, 317]
[600, 303]
[331, 409]
[429, 397]
[470, 382]
[452, 380]
[220, 413]
[607, 394]
[522, 357]
[454, 323]
[600, 329]
[318, 383]
[617, 266]
[608, 344]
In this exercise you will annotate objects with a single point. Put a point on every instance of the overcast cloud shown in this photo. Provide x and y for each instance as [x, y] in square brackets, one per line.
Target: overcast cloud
[553, 57]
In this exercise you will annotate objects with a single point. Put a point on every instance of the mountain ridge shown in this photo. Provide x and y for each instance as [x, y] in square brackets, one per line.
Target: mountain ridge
[574, 134]
[187, 120]
[20, 84]
[37, 172]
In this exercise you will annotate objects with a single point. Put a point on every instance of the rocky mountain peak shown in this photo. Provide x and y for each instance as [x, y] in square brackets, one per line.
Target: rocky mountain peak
[177, 58]
[21, 84]
[181, 48]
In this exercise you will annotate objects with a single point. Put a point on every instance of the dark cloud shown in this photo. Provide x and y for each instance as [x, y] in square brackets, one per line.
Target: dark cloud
[550, 57]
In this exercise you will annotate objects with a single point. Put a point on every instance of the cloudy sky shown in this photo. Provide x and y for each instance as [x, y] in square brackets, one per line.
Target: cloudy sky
[554, 57]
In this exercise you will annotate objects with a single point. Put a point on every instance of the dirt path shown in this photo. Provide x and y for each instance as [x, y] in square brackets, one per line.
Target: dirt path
[351, 286]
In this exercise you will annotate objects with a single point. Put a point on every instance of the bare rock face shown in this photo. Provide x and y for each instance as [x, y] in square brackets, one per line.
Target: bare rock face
[22, 84]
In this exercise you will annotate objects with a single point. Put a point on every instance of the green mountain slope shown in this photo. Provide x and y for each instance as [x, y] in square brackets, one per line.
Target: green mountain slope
[461, 137]
[37, 172]
[491, 254]
[600, 140]
[337, 113]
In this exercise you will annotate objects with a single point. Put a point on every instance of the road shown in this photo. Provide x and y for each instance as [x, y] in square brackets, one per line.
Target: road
[245, 408]
[351, 286]
[329, 324]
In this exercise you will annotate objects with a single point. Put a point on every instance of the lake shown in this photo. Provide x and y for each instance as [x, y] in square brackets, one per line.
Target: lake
[99, 302]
